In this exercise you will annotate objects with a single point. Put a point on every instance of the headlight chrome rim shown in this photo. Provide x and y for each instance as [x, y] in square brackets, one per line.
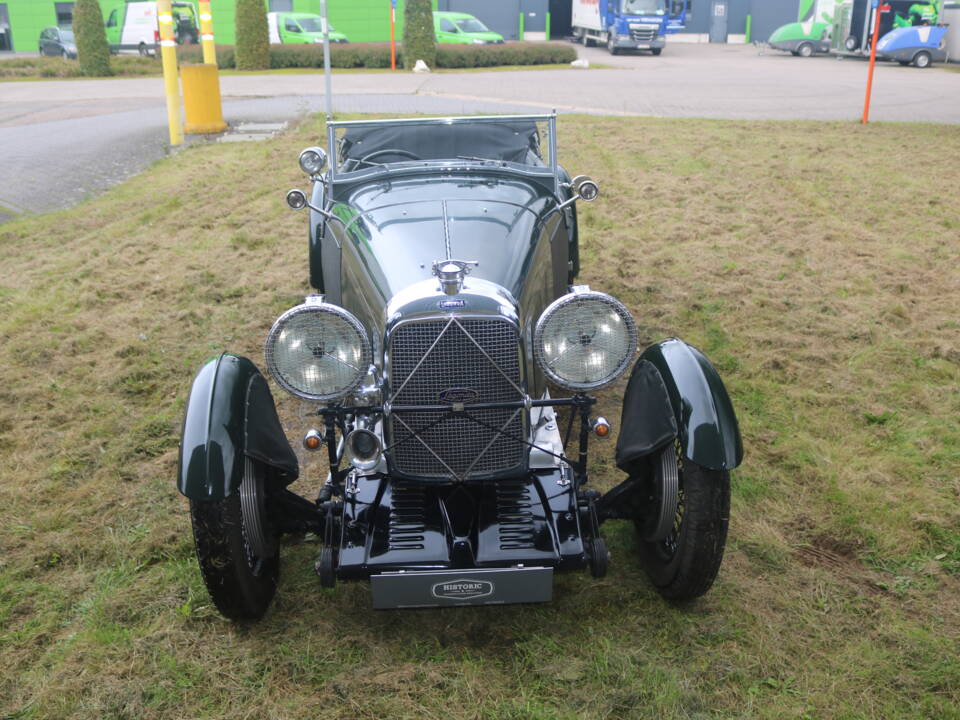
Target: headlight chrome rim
[314, 304]
[580, 296]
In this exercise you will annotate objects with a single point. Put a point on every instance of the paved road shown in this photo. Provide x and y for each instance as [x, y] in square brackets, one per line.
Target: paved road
[65, 140]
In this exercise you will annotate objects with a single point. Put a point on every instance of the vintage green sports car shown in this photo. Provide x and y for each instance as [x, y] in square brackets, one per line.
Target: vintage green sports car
[448, 358]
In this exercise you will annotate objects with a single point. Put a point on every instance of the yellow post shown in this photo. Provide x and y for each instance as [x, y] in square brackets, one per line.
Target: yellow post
[168, 52]
[201, 100]
[206, 34]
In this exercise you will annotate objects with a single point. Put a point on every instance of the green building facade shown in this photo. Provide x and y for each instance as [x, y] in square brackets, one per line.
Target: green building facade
[21, 21]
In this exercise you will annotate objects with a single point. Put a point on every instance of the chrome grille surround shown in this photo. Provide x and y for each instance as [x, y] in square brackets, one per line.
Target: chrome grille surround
[447, 359]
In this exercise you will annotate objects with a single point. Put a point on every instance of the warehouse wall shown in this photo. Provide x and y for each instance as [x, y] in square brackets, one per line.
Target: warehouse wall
[360, 20]
[766, 16]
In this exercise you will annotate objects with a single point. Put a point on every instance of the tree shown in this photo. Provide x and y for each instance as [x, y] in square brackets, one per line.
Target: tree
[253, 37]
[92, 48]
[419, 42]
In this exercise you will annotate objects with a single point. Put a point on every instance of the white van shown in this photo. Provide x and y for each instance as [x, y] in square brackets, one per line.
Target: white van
[133, 26]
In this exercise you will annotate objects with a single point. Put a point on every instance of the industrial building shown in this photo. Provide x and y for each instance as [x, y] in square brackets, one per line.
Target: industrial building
[21, 21]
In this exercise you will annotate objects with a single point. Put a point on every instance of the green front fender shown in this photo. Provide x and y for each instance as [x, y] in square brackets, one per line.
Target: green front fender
[706, 422]
[230, 415]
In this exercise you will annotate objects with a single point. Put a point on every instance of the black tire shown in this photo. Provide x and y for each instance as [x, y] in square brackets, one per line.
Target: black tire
[922, 59]
[240, 584]
[599, 558]
[805, 50]
[143, 50]
[684, 565]
[656, 51]
[611, 45]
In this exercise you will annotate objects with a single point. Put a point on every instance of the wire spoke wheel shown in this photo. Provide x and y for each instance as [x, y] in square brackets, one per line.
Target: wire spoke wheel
[683, 563]
[238, 552]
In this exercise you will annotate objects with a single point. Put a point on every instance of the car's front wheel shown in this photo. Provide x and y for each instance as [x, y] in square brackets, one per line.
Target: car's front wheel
[684, 564]
[656, 51]
[238, 552]
[805, 50]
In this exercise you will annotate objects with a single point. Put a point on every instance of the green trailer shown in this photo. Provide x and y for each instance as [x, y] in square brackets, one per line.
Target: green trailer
[810, 34]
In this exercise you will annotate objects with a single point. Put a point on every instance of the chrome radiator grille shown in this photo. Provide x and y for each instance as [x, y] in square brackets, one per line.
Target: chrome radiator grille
[643, 34]
[466, 360]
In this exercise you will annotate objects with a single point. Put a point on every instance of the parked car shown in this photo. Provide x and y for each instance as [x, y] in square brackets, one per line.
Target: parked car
[58, 42]
[286, 27]
[457, 27]
[133, 26]
[449, 359]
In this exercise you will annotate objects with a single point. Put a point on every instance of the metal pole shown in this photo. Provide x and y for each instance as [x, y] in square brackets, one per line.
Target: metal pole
[328, 91]
[206, 34]
[873, 59]
[393, 37]
[171, 85]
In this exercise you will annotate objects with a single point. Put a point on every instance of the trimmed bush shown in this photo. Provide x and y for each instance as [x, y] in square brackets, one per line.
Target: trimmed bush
[419, 41]
[92, 49]
[193, 55]
[377, 55]
[253, 37]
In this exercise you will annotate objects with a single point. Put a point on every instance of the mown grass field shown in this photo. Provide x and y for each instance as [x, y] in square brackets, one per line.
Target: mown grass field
[817, 264]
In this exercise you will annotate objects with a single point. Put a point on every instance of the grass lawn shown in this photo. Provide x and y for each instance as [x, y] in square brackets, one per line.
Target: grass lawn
[810, 261]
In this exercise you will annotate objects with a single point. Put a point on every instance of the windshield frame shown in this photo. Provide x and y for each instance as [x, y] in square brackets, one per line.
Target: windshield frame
[553, 168]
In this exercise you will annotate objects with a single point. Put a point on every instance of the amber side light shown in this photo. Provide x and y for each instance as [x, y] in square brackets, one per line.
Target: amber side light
[312, 440]
[601, 428]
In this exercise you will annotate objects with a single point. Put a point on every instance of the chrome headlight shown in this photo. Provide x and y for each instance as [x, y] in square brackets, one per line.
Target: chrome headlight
[313, 160]
[318, 351]
[585, 340]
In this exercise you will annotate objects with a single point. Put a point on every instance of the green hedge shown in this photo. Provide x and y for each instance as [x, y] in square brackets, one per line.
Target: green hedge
[419, 40]
[92, 48]
[253, 37]
[377, 55]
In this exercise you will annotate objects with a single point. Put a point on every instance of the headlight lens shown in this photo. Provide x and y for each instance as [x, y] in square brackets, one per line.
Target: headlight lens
[318, 351]
[585, 340]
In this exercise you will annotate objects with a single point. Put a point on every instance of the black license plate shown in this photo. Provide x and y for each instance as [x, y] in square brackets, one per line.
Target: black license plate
[444, 588]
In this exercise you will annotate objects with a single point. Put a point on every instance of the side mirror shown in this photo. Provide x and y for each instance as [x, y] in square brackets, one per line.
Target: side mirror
[297, 199]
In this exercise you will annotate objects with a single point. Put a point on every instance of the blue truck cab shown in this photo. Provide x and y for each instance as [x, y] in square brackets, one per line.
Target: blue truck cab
[627, 24]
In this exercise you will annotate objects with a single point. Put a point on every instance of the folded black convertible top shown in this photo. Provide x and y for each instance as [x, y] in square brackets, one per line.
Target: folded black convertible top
[512, 142]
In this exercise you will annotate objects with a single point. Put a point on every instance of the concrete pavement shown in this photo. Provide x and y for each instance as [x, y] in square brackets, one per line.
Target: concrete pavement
[714, 81]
